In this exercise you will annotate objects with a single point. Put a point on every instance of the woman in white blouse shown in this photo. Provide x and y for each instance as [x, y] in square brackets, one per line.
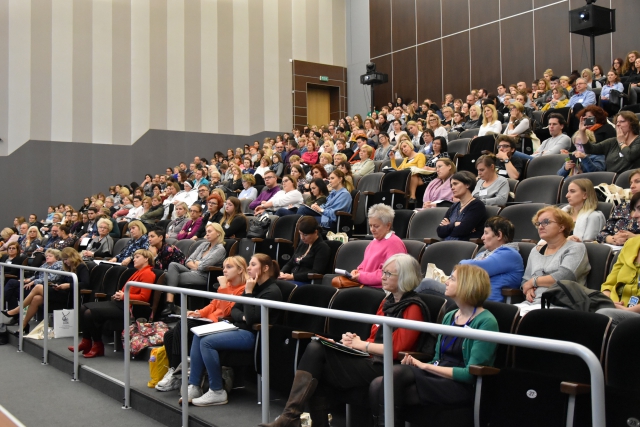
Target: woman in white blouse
[490, 122]
[583, 205]
[289, 197]
[433, 123]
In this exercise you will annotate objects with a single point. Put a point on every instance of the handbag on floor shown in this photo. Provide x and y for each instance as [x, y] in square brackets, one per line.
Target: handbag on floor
[144, 334]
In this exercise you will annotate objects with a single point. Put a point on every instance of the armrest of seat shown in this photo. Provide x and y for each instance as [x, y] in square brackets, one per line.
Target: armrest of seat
[137, 302]
[510, 292]
[430, 240]
[100, 295]
[481, 371]
[343, 213]
[278, 240]
[477, 241]
[314, 276]
[527, 240]
[574, 389]
[423, 357]
[258, 327]
[214, 269]
[394, 191]
[85, 291]
[302, 335]
[10, 276]
[368, 193]
[257, 240]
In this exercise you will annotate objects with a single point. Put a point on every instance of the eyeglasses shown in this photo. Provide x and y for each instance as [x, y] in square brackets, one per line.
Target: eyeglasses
[212, 203]
[387, 274]
[504, 146]
[544, 223]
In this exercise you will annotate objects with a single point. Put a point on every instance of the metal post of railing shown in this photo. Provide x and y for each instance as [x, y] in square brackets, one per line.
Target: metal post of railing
[76, 315]
[2, 287]
[21, 312]
[595, 369]
[127, 352]
[264, 336]
[45, 342]
[387, 341]
[185, 364]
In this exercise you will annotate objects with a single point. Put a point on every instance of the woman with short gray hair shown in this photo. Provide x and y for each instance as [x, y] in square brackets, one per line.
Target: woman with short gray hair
[384, 245]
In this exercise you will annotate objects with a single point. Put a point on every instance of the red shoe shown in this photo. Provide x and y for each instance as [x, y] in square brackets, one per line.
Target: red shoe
[84, 346]
[96, 350]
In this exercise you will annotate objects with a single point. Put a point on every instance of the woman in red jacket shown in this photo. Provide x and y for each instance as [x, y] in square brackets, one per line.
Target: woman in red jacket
[310, 156]
[94, 314]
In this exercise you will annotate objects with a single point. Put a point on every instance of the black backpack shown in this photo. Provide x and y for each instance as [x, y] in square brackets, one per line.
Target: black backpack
[574, 296]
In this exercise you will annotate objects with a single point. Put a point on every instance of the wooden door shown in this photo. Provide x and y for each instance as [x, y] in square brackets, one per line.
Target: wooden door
[318, 105]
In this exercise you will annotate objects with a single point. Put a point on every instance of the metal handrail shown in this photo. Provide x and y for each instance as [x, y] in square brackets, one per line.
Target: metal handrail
[595, 369]
[45, 288]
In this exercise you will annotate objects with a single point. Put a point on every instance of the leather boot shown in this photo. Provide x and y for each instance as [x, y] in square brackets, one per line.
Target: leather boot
[319, 411]
[302, 389]
[378, 420]
[84, 346]
[96, 350]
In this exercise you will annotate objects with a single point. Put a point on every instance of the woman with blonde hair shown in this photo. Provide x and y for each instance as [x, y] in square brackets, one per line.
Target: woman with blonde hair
[446, 380]
[410, 157]
[583, 205]
[8, 236]
[490, 122]
[434, 123]
[232, 282]
[32, 241]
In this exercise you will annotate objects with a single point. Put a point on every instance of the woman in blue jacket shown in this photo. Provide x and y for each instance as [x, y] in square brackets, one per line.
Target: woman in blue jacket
[500, 259]
[339, 200]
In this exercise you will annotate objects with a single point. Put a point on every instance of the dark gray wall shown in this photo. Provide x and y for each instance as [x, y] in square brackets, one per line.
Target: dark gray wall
[42, 173]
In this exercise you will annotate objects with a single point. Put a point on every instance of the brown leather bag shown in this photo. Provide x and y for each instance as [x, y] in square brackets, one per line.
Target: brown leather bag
[344, 282]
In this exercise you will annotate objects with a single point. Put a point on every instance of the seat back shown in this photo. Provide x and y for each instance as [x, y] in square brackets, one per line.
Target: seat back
[120, 245]
[469, 133]
[458, 146]
[97, 275]
[231, 247]
[351, 254]
[112, 279]
[508, 317]
[599, 259]
[195, 246]
[368, 184]
[587, 329]
[415, 248]
[246, 249]
[436, 306]
[314, 296]
[358, 300]
[424, 224]
[401, 222]
[492, 210]
[286, 228]
[445, 255]
[334, 245]
[596, 178]
[622, 180]
[452, 136]
[540, 189]
[184, 245]
[525, 249]
[545, 165]
[622, 343]
[520, 216]
[396, 180]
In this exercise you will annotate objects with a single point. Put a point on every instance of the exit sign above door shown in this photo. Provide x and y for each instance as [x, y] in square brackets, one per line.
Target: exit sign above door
[324, 78]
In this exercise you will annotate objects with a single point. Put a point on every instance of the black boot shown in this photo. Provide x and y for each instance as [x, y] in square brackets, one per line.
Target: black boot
[319, 411]
[302, 389]
[378, 420]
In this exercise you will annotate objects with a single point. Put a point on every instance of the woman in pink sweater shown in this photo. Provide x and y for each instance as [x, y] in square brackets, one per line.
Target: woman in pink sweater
[384, 244]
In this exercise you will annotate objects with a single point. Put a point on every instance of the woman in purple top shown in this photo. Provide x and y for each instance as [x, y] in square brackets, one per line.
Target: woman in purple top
[439, 189]
[191, 227]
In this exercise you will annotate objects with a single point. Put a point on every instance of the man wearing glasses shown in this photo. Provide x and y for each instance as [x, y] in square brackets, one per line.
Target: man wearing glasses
[508, 166]
[203, 195]
[270, 189]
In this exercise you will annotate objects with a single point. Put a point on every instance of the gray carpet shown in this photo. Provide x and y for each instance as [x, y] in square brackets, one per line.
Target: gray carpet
[40, 395]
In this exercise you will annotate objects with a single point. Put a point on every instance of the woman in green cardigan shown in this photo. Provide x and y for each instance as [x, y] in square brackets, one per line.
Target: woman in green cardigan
[446, 379]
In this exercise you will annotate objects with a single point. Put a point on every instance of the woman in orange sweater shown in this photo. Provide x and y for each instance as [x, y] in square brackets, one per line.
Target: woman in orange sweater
[232, 282]
[94, 314]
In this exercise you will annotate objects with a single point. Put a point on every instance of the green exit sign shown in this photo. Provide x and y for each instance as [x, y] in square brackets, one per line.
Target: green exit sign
[324, 78]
